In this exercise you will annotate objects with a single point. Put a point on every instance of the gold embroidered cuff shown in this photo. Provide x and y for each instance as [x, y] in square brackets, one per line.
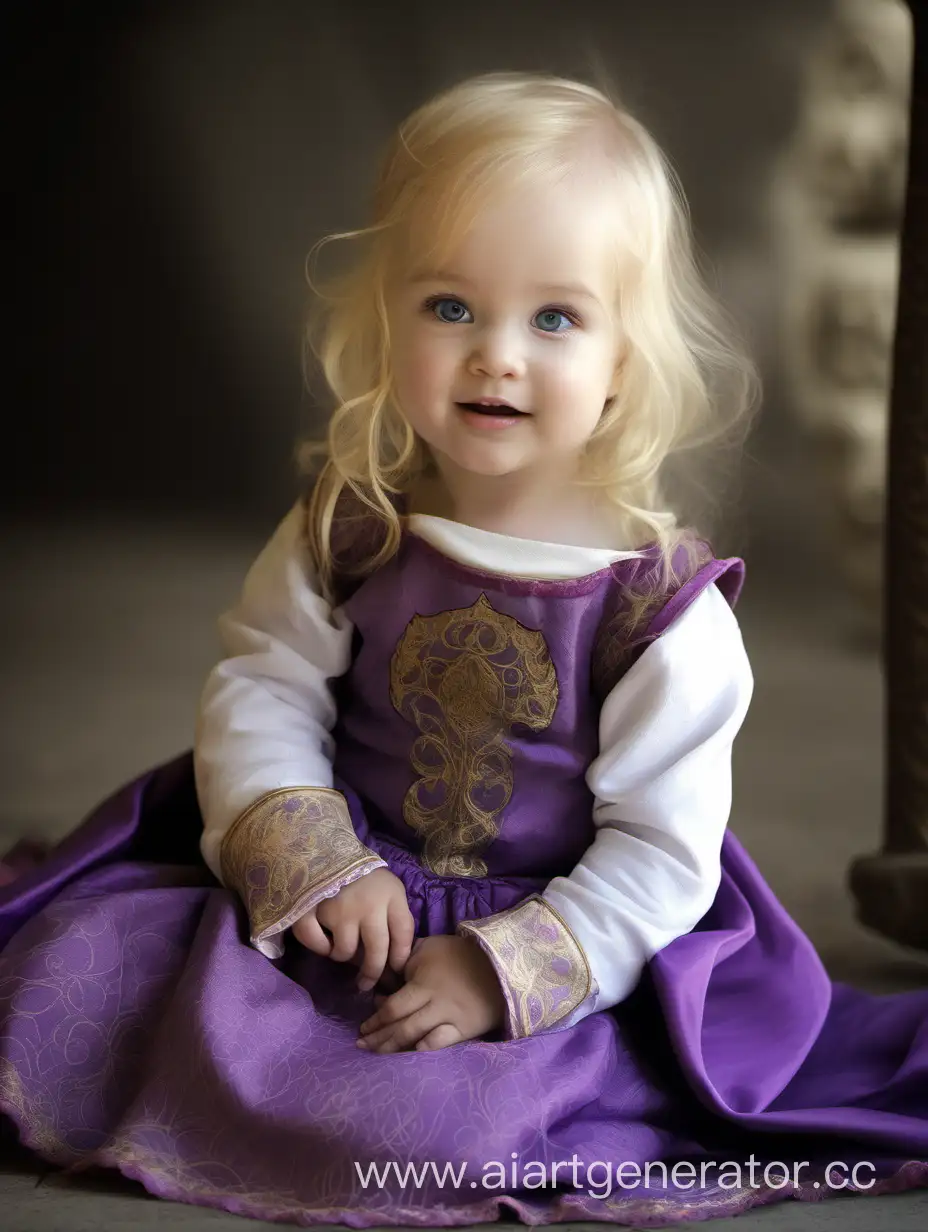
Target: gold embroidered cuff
[541, 967]
[287, 852]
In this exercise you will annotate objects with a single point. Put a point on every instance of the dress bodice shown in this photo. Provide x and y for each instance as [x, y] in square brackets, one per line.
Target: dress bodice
[469, 715]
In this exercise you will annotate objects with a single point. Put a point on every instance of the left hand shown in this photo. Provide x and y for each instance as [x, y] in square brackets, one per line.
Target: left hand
[451, 994]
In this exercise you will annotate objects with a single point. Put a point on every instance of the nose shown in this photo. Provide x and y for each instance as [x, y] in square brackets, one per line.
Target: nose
[496, 354]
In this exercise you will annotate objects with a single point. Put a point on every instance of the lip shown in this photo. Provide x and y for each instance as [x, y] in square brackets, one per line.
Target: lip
[491, 404]
[497, 417]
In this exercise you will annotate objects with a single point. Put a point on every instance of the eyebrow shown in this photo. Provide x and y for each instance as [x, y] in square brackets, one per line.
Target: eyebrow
[558, 288]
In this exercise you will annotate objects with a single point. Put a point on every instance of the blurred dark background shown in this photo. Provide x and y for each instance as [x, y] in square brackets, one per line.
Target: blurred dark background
[169, 166]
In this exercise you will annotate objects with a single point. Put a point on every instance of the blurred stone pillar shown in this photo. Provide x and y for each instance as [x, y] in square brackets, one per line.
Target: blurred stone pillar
[891, 887]
[837, 202]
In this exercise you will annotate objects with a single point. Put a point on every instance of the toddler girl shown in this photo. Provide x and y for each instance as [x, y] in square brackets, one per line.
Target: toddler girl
[469, 936]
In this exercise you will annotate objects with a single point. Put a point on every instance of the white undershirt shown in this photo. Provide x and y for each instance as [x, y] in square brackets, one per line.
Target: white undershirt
[525, 558]
[661, 782]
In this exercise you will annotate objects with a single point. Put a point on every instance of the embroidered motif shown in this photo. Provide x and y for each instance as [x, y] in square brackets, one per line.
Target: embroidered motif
[287, 851]
[541, 966]
[623, 635]
[463, 679]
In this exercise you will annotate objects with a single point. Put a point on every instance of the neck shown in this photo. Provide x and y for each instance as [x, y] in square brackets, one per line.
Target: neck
[552, 507]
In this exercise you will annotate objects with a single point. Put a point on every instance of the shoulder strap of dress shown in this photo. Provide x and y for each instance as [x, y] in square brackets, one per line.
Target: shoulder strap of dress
[648, 603]
[357, 535]
[727, 574]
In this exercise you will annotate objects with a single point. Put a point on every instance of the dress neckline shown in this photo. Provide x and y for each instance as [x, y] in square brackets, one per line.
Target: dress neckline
[447, 526]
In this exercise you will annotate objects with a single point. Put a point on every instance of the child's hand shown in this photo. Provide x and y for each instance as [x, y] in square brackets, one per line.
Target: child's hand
[451, 994]
[372, 913]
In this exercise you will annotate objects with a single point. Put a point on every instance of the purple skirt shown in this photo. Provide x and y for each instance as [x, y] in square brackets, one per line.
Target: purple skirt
[139, 1031]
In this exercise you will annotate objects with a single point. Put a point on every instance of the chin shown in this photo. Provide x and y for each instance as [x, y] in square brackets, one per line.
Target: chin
[489, 468]
[492, 460]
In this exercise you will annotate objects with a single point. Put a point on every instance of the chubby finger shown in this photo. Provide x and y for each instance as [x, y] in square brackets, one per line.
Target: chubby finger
[402, 931]
[442, 1036]
[345, 941]
[399, 1005]
[405, 1034]
[308, 931]
[376, 940]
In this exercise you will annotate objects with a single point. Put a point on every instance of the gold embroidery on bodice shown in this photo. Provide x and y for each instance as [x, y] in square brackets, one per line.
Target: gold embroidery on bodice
[463, 679]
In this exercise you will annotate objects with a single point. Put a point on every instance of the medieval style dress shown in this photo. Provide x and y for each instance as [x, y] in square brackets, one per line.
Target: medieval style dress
[537, 740]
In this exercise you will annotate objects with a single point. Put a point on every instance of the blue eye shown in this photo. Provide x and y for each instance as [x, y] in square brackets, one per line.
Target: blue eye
[552, 321]
[449, 310]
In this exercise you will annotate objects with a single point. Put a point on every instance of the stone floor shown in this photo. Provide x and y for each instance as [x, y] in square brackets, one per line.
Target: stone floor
[108, 631]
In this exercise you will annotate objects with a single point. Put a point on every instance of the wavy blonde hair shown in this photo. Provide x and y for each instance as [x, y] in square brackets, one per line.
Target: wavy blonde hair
[685, 383]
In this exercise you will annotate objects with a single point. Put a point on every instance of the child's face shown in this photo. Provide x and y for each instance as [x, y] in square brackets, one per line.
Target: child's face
[522, 311]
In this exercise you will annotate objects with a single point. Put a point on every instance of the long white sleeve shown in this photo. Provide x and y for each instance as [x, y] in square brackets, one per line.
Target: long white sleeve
[662, 788]
[267, 710]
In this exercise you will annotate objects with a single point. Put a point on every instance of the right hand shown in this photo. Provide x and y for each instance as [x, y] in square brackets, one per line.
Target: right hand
[367, 919]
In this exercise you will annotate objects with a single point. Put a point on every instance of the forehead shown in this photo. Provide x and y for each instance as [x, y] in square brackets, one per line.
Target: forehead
[552, 233]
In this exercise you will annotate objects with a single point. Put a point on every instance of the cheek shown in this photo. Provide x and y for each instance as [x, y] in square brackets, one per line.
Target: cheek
[576, 389]
[579, 375]
[421, 370]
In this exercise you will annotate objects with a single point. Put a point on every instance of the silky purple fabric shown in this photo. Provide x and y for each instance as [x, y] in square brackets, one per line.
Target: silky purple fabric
[139, 1031]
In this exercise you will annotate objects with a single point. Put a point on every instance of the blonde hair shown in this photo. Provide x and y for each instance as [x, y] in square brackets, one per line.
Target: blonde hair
[684, 384]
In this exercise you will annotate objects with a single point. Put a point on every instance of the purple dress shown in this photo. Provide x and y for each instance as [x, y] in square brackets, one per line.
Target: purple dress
[140, 1031]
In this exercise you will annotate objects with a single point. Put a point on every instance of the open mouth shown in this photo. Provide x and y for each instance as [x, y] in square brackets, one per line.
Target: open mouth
[498, 410]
